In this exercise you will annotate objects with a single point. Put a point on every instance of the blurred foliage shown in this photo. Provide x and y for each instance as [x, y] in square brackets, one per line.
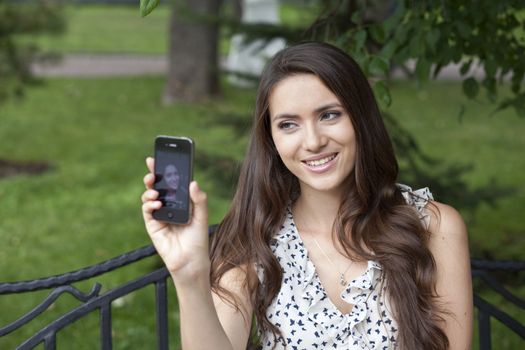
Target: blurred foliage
[381, 34]
[23, 18]
[446, 178]
[488, 34]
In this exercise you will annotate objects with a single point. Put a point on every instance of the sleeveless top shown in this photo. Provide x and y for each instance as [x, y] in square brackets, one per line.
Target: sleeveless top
[305, 315]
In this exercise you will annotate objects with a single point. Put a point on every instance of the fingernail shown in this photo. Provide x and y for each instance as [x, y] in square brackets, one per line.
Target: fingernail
[197, 188]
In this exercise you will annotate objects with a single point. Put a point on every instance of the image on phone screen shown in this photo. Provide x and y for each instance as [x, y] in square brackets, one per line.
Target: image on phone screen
[173, 179]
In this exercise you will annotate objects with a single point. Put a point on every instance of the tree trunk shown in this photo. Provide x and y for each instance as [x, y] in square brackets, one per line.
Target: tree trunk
[193, 61]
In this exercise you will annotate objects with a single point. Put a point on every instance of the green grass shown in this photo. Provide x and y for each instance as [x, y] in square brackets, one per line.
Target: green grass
[109, 29]
[97, 132]
[120, 29]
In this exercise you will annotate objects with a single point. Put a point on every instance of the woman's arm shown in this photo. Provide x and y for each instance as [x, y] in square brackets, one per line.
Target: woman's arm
[185, 252]
[209, 322]
[236, 322]
[449, 245]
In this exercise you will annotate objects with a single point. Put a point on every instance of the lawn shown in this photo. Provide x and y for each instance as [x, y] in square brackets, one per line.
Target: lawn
[109, 29]
[120, 29]
[95, 135]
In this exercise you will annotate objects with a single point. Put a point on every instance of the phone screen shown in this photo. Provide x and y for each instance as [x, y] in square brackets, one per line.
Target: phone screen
[173, 174]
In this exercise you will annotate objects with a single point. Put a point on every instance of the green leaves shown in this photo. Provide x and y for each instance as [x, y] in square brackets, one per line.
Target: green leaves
[382, 93]
[378, 66]
[432, 38]
[470, 87]
[28, 20]
[465, 67]
[359, 39]
[422, 69]
[146, 6]
[377, 32]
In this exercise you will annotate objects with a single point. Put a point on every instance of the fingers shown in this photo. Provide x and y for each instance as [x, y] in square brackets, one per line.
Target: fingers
[150, 206]
[200, 203]
[150, 163]
[149, 180]
[149, 195]
[150, 203]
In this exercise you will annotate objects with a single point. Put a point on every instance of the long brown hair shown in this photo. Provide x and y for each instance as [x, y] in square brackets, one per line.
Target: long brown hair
[372, 216]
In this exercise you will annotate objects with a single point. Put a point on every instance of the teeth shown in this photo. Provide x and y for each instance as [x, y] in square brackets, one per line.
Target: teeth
[320, 162]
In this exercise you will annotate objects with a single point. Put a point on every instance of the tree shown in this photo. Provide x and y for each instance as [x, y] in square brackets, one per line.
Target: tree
[18, 19]
[192, 58]
[192, 70]
[382, 33]
[490, 34]
[23, 18]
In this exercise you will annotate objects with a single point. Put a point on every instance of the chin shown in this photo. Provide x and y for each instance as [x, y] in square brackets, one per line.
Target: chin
[324, 187]
[328, 185]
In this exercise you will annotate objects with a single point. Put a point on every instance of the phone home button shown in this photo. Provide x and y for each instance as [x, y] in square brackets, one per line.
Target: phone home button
[170, 215]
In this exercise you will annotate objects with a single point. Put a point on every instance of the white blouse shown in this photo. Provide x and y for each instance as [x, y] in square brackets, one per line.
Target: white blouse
[305, 315]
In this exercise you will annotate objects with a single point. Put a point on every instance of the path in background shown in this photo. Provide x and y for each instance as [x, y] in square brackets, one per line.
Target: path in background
[100, 65]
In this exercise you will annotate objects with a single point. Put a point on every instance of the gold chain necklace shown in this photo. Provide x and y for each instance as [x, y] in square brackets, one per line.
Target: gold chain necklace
[342, 279]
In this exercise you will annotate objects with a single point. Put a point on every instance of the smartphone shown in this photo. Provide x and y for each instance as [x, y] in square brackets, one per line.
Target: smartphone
[173, 174]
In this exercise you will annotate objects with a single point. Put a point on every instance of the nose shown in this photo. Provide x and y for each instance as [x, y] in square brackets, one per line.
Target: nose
[314, 138]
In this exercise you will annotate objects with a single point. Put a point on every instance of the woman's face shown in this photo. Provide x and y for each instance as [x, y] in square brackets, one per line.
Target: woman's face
[312, 132]
[171, 176]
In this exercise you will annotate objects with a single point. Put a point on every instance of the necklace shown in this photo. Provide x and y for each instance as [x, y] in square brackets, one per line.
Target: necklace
[342, 279]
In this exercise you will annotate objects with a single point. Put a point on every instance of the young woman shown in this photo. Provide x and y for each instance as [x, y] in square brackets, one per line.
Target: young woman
[320, 245]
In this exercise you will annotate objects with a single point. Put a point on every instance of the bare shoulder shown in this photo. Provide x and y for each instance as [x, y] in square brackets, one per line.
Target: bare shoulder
[445, 223]
[448, 240]
[449, 246]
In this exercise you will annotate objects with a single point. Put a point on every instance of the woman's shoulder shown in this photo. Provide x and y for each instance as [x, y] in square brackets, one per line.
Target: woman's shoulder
[418, 199]
[440, 219]
[449, 245]
[445, 221]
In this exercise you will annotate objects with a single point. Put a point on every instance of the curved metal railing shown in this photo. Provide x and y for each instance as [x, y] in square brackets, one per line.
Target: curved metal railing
[94, 301]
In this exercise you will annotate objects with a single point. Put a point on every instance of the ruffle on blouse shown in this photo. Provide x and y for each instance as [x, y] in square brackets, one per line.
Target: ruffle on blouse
[321, 310]
[418, 199]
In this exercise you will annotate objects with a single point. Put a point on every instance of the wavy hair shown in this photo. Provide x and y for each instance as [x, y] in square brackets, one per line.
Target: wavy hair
[373, 216]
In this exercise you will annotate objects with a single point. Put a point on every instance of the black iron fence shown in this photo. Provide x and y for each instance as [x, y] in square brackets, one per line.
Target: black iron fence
[93, 301]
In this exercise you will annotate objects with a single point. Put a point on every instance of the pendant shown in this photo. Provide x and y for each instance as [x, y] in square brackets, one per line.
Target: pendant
[342, 280]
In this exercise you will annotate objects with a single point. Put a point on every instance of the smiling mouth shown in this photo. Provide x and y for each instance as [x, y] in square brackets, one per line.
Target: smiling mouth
[319, 162]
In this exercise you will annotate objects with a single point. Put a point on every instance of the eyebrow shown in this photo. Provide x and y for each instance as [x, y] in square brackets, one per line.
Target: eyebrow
[317, 111]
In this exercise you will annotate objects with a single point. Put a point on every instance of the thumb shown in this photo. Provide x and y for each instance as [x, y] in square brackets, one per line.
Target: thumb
[200, 204]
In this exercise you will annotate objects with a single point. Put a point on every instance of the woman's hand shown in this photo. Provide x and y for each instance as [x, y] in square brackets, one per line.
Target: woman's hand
[183, 248]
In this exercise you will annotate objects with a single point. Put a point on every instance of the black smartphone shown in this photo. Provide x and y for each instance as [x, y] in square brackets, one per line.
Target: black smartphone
[173, 174]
